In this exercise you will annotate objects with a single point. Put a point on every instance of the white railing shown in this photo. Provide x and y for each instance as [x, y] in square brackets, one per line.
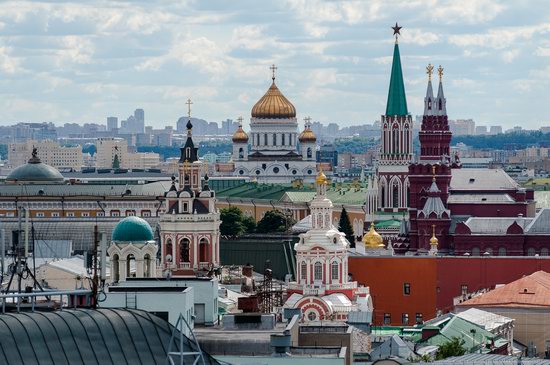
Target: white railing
[204, 265]
[184, 265]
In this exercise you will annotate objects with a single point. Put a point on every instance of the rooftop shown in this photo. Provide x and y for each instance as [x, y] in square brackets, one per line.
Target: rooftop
[482, 180]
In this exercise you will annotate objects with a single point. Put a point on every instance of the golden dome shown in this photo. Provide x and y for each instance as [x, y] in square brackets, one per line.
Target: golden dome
[307, 135]
[372, 239]
[240, 135]
[434, 241]
[273, 105]
[321, 178]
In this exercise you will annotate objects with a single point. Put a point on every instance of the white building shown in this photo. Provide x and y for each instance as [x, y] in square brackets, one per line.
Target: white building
[143, 160]
[51, 153]
[274, 156]
[322, 289]
[108, 148]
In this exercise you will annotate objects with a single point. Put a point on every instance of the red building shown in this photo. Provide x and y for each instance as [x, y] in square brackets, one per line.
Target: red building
[420, 287]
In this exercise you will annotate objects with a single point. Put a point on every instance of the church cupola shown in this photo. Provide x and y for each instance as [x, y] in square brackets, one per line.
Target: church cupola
[307, 141]
[273, 105]
[189, 151]
[240, 143]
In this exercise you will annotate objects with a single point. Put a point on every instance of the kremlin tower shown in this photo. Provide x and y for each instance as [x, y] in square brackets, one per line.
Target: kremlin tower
[396, 149]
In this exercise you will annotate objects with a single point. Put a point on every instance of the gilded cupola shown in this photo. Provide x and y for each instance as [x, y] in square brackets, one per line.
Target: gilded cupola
[372, 239]
[307, 134]
[240, 135]
[273, 105]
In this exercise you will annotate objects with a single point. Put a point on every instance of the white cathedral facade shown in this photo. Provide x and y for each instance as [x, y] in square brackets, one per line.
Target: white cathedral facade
[277, 154]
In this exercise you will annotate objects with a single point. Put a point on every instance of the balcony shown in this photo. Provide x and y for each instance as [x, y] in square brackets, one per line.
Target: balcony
[204, 265]
[184, 266]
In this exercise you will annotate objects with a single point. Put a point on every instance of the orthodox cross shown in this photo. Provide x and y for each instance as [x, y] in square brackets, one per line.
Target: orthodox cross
[273, 68]
[308, 121]
[429, 71]
[240, 119]
[433, 172]
[440, 71]
[396, 31]
[189, 103]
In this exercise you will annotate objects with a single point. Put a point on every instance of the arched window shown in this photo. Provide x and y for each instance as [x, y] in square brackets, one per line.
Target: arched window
[395, 193]
[502, 251]
[531, 251]
[265, 139]
[184, 250]
[130, 263]
[115, 266]
[334, 271]
[203, 250]
[147, 266]
[283, 141]
[318, 271]
[303, 271]
[241, 153]
[383, 193]
[188, 152]
[168, 251]
[274, 139]
[475, 251]
[544, 251]
[309, 152]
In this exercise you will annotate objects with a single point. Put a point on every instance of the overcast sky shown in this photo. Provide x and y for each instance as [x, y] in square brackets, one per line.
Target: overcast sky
[81, 61]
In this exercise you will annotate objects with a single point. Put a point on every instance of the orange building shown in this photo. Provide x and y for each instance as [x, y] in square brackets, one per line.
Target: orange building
[410, 289]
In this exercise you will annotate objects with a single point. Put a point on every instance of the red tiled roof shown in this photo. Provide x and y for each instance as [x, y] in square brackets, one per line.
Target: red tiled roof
[531, 291]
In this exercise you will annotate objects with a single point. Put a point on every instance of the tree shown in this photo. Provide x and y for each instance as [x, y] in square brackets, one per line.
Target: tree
[274, 221]
[232, 222]
[249, 223]
[116, 162]
[345, 227]
[454, 347]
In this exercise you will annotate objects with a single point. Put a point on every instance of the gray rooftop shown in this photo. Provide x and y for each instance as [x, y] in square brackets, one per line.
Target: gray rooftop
[482, 180]
[480, 199]
[490, 359]
[86, 336]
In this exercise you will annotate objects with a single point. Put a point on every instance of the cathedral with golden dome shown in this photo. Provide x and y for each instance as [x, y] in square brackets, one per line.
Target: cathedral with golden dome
[273, 151]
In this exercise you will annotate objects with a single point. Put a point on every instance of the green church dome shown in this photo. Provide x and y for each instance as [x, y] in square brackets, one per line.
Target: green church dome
[132, 229]
[34, 171]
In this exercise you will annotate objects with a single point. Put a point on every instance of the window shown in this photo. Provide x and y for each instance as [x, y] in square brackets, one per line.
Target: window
[184, 250]
[40, 214]
[265, 139]
[334, 270]
[463, 289]
[274, 139]
[115, 213]
[276, 170]
[85, 214]
[405, 318]
[531, 252]
[312, 316]
[406, 289]
[387, 318]
[544, 251]
[309, 153]
[241, 153]
[100, 214]
[70, 214]
[241, 172]
[303, 270]
[419, 319]
[55, 214]
[283, 142]
[318, 271]
[145, 213]
[395, 196]
[475, 251]
[502, 251]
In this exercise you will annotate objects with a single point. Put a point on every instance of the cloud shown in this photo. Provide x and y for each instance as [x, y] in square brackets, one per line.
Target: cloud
[510, 55]
[75, 49]
[466, 11]
[8, 63]
[543, 52]
[499, 38]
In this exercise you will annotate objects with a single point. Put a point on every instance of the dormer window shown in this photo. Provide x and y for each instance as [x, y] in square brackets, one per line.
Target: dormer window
[188, 152]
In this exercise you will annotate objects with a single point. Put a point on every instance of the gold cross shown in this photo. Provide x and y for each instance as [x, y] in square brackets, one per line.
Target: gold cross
[189, 103]
[307, 120]
[240, 119]
[433, 172]
[440, 72]
[429, 71]
[273, 68]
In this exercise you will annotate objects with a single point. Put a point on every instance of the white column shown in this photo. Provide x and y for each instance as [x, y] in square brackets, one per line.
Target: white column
[122, 267]
[195, 253]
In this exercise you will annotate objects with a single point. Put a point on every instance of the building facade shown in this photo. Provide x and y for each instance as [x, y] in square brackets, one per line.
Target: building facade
[51, 153]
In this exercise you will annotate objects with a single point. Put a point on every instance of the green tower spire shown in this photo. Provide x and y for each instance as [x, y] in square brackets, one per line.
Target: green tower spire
[397, 100]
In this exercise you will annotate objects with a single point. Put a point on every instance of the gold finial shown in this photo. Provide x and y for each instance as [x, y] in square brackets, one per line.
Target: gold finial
[433, 173]
[372, 239]
[433, 241]
[189, 103]
[186, 164]
[429, 71]
[273, 68]
[321, 177]
[396, 31]
[240, 120]
[440, 72]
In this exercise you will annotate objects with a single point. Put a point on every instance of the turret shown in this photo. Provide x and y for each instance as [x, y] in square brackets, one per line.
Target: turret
[441, 108]
[240, 143]
[429, 99]
[307, 141]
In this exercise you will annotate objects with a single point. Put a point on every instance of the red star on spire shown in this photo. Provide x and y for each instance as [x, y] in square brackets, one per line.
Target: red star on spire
[396, 29]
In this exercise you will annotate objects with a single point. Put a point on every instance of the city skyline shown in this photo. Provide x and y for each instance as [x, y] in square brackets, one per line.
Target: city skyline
[67, 62]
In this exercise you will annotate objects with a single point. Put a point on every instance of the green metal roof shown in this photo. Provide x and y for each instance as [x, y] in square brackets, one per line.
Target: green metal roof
[390, 223]
[397, 100]
[132, 229]
[35, 172]
[458, 327]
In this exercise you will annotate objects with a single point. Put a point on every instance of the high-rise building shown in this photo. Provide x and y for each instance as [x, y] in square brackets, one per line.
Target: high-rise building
[139, 115]
[112, 152]
[51, 153]
[481, 130]
[112, 123]
[495, 129]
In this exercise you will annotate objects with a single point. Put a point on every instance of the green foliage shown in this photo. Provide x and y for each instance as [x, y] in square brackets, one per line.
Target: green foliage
[274, 221]
[3, 151]
[354, 145]
[116, 163]
[454, 347]
[506, 140]
[232, 222]
[249, 224]
[345, 227]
